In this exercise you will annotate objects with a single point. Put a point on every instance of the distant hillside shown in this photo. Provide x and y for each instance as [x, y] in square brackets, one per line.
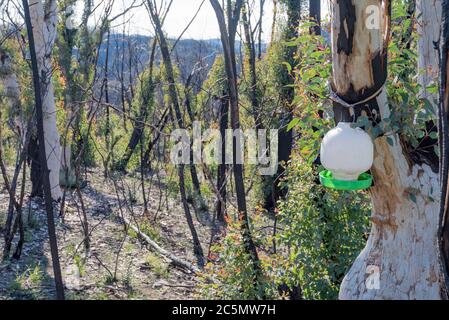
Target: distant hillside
[186, 54]
[134, 50]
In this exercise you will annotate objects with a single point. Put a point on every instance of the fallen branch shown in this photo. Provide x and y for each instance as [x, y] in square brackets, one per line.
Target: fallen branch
[175, 260]
[166, 284]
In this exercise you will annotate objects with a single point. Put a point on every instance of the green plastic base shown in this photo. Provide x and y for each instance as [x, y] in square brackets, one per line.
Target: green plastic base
[365, 181]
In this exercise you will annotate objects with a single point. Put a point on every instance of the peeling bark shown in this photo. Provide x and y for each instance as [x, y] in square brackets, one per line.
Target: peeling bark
[403, 244]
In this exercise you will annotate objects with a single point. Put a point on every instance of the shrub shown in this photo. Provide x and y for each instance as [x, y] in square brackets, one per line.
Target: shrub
[323, 231]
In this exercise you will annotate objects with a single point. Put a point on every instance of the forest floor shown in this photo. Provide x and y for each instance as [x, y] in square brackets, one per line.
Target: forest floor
[115, 252]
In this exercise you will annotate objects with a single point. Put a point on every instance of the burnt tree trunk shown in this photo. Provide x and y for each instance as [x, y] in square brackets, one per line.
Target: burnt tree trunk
[107, 131]
[221, 176]
[287, 95]
[35, 172]
[197, 198]
[147, 93]
[315, 16]
[401, 257]
[178, 122]
[228, 33]
[444, 145]
[260, 25]
[250, 52]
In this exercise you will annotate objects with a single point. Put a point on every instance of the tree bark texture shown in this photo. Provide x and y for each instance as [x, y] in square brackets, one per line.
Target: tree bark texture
[401, 257]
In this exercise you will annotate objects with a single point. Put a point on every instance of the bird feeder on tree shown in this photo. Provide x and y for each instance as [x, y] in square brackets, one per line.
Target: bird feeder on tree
[347, 153]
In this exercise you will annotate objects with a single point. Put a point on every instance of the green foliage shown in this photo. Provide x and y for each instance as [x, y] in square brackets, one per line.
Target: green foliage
[117, 139]
[216, 82]
[231, 274]
[311, 73]
[78, 260]
[14, 112]
[26, 285]
[8, 143]
[146, 86]
[127, 280]
[148, 229]
[323, 232]
[159, 267]
[403, 88]
[215, 86]
[278, 69]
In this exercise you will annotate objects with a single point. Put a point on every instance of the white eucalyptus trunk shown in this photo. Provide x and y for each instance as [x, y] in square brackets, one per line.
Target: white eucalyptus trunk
[401, 257]
[44, 31]
[429, 29]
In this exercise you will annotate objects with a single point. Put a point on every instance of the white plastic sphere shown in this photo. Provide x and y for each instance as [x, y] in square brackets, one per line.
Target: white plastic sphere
[347, 152]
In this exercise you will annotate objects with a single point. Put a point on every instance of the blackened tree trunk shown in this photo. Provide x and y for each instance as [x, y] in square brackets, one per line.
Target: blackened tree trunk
[86, 51]
[107, 131]
[315, 15]
[287, 95]
[221, 176]
[164, 120]
[250, 52]
[178, 122]
[36, 171]
[228, 33]
[197, 198]
[147, 93]
[260, 25]
[444, 145]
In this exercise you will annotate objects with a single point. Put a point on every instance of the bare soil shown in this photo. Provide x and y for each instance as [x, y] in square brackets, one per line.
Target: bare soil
[118, 264]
